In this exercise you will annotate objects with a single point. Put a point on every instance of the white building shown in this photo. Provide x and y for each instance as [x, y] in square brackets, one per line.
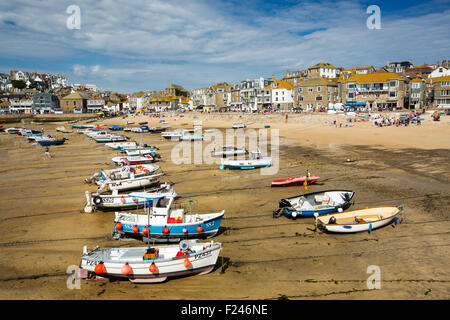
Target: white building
[439, 72]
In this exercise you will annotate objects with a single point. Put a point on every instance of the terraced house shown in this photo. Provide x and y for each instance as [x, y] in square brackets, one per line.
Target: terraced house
[381, 91]
[316, 93]
[441, 89]
[278, 96]
[417, 93]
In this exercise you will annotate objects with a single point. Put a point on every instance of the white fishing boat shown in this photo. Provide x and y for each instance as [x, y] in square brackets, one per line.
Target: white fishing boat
[133, 160]
[238, 126]
[150, 264]
[175, 134]
[136, 182]
[142, 152]
[361, 220]
[125, 172]
[256, 161]
[109, 138]
[230, 151]
[119, 201]
[117, 145]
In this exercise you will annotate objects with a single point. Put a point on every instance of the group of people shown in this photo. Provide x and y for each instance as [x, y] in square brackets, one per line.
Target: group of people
[412, 118]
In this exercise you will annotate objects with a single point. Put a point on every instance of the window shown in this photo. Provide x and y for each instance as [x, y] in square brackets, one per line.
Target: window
[318, 98]
[445, 83]
[416, 85]
[445, 92]
[350, 95]
[310, 89]
[350, 85]
[393, 83]
[300, 98]
[392, 94]
[318, 89]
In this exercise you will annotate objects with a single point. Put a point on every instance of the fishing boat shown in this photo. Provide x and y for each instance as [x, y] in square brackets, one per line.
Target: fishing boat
[2, 128]
[13, 130]
[63, 129]
[230, 151]
[360, 220]
[175, 134]
[143, 152]
[120, 201]
[191, 137]
[28, 132]
[142, 123]
[321, 202]
[124, 149]
[72, 121]
[166, 222]
[136, 182]
[115, 128]
[109, 138]
[294, 181]
[83, 126]
[132, 160]
[117, 145]
[51, 142]
[256, 161]
[150, 264]
[159, 129]
[238, 126]
[141, 129]
[125, 172]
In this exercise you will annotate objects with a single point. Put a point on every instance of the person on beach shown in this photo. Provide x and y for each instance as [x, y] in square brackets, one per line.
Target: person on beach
[47, 153]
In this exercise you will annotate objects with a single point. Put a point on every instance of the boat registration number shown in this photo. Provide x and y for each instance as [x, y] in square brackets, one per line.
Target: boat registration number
[91, 262]
[108, 200]
[202, 255]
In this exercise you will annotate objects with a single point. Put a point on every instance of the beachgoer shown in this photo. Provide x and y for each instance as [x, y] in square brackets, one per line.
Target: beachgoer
[47, 153]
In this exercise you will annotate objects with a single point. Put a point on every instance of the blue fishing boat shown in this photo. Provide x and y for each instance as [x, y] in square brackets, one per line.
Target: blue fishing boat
[115, 128]
[162, 223]
[322, 202]
[51, 142]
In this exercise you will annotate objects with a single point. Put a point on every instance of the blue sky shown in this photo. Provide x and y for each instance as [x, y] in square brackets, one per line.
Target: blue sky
[129, 46]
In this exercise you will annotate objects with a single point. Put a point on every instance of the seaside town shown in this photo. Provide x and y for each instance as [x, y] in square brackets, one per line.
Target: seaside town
[319, 88]
[226, 156]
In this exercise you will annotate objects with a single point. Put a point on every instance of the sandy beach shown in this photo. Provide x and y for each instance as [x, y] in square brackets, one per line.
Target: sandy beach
[44, 230]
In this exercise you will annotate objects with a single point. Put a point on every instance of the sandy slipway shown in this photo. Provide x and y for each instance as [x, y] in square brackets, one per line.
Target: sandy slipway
[43, 229]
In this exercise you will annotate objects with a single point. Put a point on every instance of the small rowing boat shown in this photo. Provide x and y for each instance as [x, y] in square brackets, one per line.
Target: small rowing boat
[63, 129]
[46, 142]
[294, 181]
[360, 220]
[150, 264]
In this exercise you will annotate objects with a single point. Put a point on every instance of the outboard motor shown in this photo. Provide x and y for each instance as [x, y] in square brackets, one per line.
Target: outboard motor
[332, 220]
[284, 203]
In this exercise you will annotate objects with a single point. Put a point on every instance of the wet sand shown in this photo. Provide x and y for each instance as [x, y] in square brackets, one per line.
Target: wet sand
[43, 230]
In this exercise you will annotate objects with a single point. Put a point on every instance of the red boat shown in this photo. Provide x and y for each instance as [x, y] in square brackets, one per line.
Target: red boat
[294, 181]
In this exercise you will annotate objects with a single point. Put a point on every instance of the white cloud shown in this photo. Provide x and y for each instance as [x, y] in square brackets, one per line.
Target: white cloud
[214, 40]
